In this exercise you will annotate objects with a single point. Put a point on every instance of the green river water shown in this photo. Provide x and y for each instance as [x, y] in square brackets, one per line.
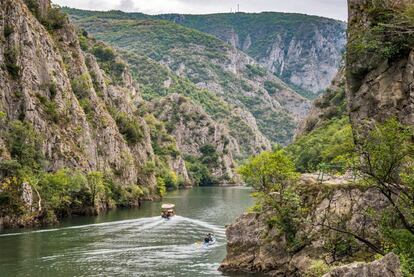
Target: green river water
[130, 242]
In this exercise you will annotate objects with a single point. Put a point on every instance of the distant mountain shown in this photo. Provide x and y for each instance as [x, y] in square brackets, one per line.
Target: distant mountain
[304, 51]
[206, 63]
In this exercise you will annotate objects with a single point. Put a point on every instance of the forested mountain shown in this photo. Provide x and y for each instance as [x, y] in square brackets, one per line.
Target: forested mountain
[304, 51]
[207, 62]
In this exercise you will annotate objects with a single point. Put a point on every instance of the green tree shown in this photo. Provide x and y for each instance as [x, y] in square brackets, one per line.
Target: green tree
[388, 165]
[269, 171]
[97, 188]
[273, 176]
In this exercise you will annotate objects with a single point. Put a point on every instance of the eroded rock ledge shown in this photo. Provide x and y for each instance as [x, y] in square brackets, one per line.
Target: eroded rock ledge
[255, 246]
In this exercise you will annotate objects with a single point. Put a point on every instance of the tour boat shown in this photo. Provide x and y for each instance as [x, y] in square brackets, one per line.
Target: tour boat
[167, 210]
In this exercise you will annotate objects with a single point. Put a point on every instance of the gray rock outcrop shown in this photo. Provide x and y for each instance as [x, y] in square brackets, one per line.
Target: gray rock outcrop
[389, 266]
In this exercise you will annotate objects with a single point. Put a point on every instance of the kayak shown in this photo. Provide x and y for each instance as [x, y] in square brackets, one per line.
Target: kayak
[210, 242]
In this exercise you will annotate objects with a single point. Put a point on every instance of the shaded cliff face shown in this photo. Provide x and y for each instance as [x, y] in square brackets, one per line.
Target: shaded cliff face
[380, 86]
[194, 130]
[207, 62]
[332, 104]
[304, 51]
[46, 81]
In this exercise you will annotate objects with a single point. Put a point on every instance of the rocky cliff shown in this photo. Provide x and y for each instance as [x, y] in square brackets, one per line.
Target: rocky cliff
[389, 266]
[253, 245]
[379, 79]
[194, 130]
[304, 51]
[208, 63]
[332, 104]
[42, 89]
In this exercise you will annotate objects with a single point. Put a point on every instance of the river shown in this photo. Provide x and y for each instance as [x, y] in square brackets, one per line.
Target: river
[131, 242]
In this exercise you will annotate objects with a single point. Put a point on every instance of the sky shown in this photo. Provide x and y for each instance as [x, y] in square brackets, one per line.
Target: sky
[328, 8]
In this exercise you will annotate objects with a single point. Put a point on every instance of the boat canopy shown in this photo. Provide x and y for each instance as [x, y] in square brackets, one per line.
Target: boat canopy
[168, 206]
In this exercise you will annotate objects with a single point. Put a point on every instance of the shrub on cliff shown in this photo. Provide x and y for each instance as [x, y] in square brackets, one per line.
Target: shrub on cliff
[129, 128]
[389, 35]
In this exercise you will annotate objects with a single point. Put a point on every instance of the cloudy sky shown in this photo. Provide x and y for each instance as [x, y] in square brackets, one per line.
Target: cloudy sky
[328, 8]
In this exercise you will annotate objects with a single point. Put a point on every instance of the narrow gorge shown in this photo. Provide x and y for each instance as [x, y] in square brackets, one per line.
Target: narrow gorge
[279, 144]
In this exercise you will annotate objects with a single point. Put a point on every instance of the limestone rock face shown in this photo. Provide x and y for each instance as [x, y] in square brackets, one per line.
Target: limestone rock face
[253, 246]
[311, 69]
[53, 72]
[193, 129]
[389, 266]
[378, 89]
[332, 104]
[301, 50]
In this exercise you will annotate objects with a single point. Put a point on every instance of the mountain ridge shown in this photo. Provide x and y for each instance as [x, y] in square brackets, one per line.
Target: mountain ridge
[274, 39]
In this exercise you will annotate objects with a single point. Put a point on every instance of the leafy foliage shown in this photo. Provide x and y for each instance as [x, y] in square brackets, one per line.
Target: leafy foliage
[273, 176]
[24, 145]
[129, 128]
[332, 143]
[10, 56]
[387, 164]
[389, 35]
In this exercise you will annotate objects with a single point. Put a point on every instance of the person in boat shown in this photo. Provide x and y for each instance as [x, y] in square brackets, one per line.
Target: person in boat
[167, 210]
[208, 238]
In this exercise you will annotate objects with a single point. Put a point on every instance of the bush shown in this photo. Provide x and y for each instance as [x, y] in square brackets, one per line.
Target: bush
[331, 143]
[24, 145]
[161, 188]
[33, 6]
[209, 154]
[129, 128]
[317, 269]
[254, 70]
[10, 56]
[50, 108]
[171, 180]
[8, 30]
[54, 19]
[81, 86]
[10, 197]
[272, 87]
[199, 172]
[104, 53]
[9, 168]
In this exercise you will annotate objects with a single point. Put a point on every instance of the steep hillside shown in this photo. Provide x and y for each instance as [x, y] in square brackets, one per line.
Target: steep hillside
[71, 134]
[207, 62]
[304, 51]
[158, 81]
[203, 142]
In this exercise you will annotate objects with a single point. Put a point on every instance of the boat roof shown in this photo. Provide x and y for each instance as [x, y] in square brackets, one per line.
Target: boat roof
[168, 206]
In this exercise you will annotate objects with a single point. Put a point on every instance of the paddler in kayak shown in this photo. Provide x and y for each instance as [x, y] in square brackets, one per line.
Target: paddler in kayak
[209, 238]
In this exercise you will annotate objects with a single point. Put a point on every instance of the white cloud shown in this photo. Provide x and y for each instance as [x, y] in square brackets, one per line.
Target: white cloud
[328, 8]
